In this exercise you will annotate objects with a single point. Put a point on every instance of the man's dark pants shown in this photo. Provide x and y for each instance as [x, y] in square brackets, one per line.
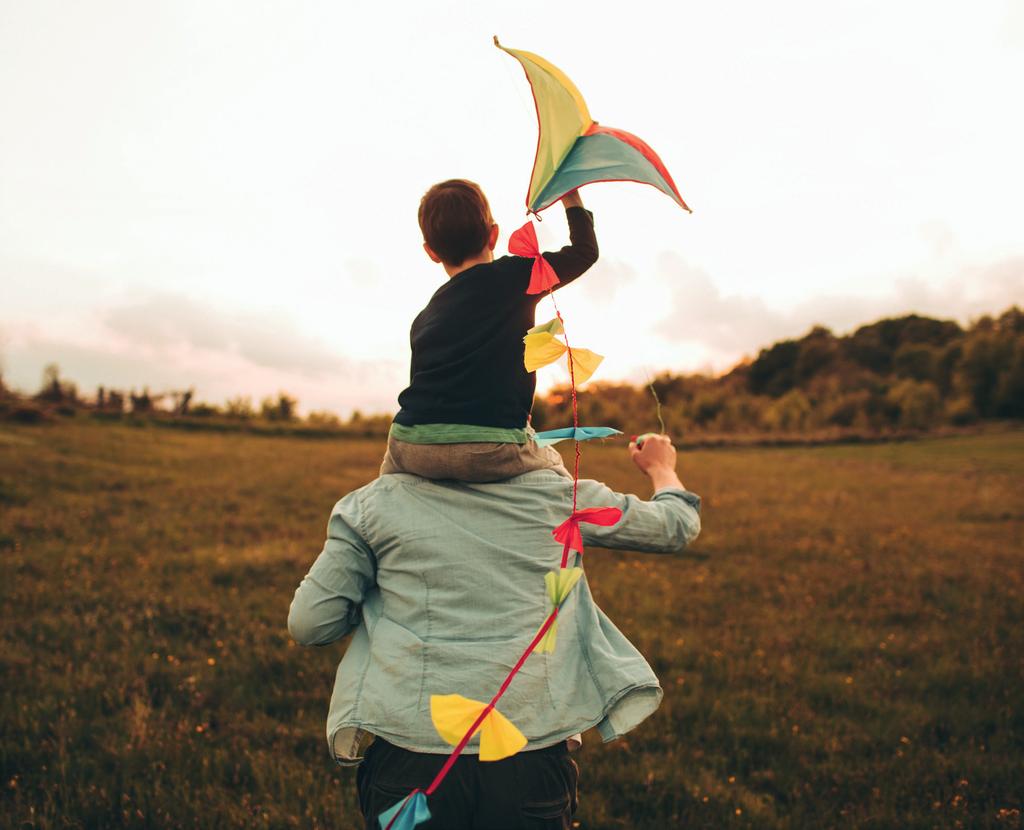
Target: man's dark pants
[535, 789]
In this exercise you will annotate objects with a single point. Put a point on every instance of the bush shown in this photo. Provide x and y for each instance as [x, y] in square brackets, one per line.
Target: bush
[847, 410]
[960, 411]
[919, 403]
[239, 408]
[280, 409]
[27, 413]
[789, 413]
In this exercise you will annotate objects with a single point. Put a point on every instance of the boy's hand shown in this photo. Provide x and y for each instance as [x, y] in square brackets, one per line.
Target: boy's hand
[572, 199]
[656, 458]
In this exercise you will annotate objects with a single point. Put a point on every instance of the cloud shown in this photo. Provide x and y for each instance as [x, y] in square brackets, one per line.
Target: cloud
[606, 277]
[734, 325]
[168, 341]
[268, 340]
[701, 313]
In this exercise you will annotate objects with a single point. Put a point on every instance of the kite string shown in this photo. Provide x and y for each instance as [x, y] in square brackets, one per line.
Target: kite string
[494, 701]
[464, 741]
[443, 772]
[657, 403]
[575, 408]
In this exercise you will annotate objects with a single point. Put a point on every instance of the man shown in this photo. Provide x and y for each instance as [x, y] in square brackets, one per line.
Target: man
[443, 585]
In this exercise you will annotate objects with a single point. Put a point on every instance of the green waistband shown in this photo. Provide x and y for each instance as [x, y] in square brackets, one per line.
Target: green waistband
[458, 434]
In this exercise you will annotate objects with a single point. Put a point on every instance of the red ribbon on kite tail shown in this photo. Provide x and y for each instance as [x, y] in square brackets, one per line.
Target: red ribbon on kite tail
[524, 243]
[568, 532]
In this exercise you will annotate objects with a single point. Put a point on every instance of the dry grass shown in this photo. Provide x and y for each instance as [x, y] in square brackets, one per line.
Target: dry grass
[842, 648]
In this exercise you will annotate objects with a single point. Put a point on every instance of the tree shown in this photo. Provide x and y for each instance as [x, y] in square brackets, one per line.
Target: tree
[818, 351]
[1009, 394]
[55, 390]
[986, 352]
[280, 409]
[240, 408]
[917, 361]
[789, 413]
[919, 403]
[773, 372]
[143, 402]
[182, 400]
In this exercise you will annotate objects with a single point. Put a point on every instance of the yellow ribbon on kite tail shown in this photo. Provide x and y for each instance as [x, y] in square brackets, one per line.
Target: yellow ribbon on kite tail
[557, 584]
[453, 715]
[543, 348]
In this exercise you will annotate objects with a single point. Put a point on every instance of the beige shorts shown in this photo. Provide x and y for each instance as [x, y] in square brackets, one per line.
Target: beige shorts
[471, 461]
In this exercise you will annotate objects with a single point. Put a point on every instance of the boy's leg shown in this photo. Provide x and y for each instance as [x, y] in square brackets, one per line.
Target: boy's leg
[477, 462]
[427, 460]
[496, 462]
[542, 458]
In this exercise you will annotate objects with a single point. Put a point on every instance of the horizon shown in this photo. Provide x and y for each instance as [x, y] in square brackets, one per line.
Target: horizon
[549, 390]
[190, 197]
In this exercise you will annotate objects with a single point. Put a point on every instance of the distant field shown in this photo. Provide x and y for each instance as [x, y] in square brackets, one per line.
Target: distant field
[843, 647]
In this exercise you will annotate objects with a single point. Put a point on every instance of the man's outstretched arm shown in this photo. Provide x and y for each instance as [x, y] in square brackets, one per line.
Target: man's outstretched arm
[326, 605]
[667, 523]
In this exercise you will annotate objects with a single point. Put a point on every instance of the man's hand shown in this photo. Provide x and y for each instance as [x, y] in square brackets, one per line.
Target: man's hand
[572, 199]
[656, 459]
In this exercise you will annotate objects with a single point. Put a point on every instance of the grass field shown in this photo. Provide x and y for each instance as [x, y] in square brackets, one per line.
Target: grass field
[843, 647]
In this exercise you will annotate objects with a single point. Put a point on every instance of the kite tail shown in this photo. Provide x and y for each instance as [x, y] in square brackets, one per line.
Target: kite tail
[575, 412]
[538, 637]
[490, 706]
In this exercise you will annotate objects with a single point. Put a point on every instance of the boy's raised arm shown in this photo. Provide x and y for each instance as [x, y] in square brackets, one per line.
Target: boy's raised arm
[581, 252]
[326, 605]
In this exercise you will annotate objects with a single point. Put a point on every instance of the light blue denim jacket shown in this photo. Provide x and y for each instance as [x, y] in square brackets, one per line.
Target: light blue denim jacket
[442, 583]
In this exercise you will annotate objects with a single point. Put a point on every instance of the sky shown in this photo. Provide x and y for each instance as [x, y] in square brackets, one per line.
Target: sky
[222, 195]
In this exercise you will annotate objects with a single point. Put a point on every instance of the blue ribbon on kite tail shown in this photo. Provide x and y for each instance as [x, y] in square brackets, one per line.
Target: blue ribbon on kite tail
[553, 436]
[414, 811]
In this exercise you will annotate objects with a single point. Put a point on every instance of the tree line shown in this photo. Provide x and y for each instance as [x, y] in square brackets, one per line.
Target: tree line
[907, 373]
[899, 374]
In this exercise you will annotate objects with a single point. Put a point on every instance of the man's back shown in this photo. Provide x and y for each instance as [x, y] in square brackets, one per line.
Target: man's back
[449, 578]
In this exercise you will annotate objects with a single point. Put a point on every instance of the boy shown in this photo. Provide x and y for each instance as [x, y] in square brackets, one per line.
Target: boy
[465, 413]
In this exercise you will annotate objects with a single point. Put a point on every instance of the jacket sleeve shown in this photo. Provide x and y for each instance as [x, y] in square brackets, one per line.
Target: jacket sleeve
[326, 605]
[581, 252]
[666, 524]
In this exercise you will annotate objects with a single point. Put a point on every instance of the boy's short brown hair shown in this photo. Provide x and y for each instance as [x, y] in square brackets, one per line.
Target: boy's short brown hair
[455, 219]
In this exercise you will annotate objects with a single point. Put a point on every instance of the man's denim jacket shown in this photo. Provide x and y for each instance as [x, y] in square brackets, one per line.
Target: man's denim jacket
[442, 583]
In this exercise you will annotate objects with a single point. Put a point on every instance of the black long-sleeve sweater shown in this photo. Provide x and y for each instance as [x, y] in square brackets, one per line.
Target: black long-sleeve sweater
[467, 344]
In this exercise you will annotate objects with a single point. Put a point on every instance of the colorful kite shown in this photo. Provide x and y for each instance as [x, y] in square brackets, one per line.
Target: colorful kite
[573, 149]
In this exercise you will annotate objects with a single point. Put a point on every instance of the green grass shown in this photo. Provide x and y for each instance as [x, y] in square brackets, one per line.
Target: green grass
[841, 648]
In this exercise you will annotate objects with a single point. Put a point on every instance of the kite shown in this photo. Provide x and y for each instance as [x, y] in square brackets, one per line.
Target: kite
[573, 149]
[553, 436]
[543, 348]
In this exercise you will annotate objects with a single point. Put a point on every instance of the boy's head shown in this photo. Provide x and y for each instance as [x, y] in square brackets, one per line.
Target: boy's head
[456, 222]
